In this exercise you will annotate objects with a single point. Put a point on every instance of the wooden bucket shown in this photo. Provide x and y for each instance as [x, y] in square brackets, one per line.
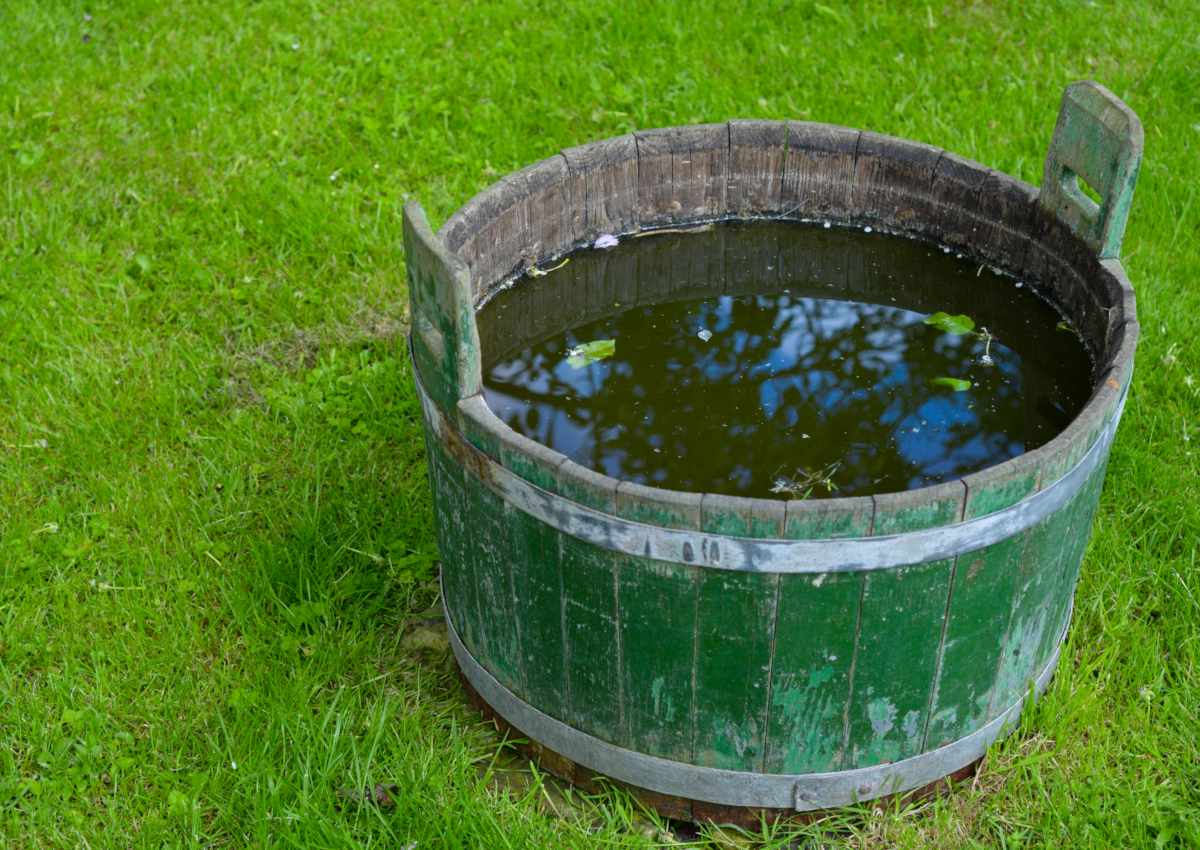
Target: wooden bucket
[725, 656]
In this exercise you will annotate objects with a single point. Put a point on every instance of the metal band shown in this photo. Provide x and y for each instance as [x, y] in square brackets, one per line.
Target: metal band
[802, 792]
[856, 554]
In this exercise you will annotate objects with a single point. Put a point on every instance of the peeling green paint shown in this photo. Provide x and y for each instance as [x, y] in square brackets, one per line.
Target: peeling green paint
[816, 678]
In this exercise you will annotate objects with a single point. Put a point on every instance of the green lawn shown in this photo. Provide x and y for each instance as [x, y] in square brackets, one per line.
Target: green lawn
[216, 546]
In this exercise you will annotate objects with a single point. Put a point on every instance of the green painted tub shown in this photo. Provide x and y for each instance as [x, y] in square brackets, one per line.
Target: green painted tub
[724, 654]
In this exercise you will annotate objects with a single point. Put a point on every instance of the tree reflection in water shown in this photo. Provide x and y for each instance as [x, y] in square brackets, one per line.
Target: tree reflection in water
[789, 383]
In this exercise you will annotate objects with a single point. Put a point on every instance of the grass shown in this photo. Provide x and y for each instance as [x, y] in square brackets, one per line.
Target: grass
[215, 530]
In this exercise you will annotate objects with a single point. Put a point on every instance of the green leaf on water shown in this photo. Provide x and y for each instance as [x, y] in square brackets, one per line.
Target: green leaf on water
[956, 325]
[1065, 326]
[590, 352]
[957, 384]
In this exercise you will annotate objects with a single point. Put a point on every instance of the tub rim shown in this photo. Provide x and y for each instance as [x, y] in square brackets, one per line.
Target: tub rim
[896, 185]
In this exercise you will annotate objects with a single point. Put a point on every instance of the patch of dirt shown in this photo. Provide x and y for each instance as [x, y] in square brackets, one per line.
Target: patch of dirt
[241, 392]
[296, 350]
[299, 349]
[426, 639]
[368, 323]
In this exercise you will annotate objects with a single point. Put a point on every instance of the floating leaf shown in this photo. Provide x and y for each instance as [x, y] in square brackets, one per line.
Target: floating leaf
[590, 352]
[957, 384]
[1064, 326]
[956, 325]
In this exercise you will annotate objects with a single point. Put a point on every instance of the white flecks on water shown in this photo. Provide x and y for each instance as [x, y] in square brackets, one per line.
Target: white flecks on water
[828, 225]
[867, 229]
[605, 240]
[705, 334]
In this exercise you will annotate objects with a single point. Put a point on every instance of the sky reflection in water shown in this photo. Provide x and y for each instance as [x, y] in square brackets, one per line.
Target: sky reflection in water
[791, 385]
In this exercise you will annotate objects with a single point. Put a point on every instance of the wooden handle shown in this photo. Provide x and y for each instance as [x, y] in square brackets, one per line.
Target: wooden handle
[445, 340]
[1097, 139]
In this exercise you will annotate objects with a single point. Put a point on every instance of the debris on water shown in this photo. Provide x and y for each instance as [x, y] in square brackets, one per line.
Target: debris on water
[828, 225]
[534, 271]
[1064, 326]
[605, 240]
[867, 229]
[661, 231]
[705, 334]
[1019, 284]
[802, 483]
[590, 352]
[987, 337]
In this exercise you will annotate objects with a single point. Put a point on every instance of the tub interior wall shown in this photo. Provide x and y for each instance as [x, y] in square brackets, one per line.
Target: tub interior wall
[750, 169]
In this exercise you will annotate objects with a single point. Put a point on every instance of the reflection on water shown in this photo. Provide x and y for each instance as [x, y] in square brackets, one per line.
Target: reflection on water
[811, 384]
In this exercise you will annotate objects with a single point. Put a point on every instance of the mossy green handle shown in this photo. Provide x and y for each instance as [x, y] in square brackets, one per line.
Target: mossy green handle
[444, 339]
[1099, 139]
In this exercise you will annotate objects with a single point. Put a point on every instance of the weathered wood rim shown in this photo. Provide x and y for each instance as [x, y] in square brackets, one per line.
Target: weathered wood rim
[799, 792]
[770, 555]
[791, 170]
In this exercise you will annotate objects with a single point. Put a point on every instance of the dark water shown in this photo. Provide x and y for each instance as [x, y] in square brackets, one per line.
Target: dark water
[782, 360]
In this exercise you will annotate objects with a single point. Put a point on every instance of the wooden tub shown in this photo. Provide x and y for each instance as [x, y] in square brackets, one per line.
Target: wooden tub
[725, 656]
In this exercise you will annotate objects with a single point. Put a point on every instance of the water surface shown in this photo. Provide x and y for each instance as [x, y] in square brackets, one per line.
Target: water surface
[781, 360]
